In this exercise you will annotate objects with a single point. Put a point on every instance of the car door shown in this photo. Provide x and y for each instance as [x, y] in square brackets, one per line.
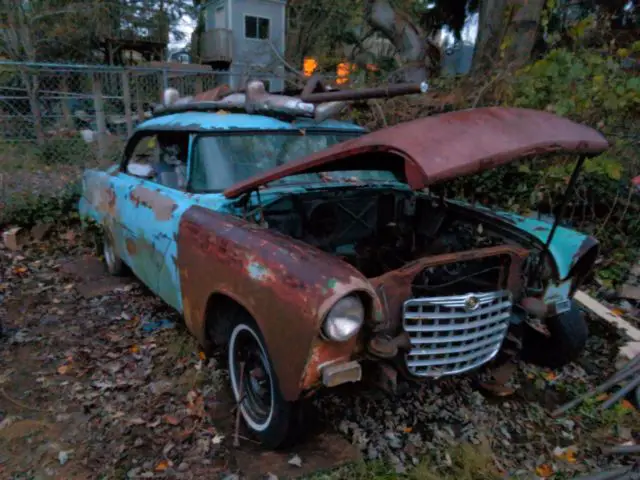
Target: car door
[155, 201]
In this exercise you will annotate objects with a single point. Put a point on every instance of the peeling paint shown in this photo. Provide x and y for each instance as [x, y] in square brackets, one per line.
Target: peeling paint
[203, 121]
[162, 206]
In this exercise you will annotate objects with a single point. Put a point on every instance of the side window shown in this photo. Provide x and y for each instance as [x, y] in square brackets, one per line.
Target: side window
[140, 162]
[161, 158]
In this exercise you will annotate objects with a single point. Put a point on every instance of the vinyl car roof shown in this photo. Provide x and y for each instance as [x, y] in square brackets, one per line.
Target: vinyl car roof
[217, 121]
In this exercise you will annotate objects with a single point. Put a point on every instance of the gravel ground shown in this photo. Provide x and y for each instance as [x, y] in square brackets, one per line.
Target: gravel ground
[97, 377]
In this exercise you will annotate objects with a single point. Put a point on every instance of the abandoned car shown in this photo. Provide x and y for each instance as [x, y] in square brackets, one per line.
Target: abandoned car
[315, 252]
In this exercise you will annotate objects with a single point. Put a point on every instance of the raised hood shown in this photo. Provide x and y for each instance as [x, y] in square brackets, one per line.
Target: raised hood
[442, 147]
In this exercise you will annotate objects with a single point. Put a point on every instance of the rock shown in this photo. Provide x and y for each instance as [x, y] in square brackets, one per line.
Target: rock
[393, 440]
[134, 472]
[160, 387]
[40, 231]
[296, 461]
[630, 292]
[15, 238]
[183, 467]
[63, 457]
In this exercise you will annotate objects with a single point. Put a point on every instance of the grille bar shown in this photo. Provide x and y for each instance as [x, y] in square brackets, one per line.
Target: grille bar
[459, 338]
[451, 335]
[446, 316]
[447, 327]
[465, 348]
[453, 360]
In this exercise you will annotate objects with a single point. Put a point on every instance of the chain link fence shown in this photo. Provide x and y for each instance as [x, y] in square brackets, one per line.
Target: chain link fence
[56, 120]
[64, 106]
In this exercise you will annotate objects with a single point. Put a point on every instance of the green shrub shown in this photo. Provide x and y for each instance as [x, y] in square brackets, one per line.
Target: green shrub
[26, 210]
[61, 149]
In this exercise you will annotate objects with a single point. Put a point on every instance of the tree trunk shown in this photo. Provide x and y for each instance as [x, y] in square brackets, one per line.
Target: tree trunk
[506, 32]
[32, 86]
[409, 39]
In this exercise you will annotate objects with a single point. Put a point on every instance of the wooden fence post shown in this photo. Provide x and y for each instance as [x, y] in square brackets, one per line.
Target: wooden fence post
[126, 99]
[98, 104]
[139, 103]
[66, 111]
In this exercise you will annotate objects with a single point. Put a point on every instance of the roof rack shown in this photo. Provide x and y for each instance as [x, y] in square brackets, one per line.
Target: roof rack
[316, 100]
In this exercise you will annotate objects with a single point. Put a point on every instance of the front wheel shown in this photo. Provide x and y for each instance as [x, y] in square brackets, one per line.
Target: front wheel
[255, 387]
[569, 333]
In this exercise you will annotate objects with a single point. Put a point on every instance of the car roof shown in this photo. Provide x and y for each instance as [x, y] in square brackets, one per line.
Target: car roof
[218, 121]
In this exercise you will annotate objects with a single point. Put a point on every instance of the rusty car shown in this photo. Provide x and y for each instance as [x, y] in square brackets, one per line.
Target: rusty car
[315, 253]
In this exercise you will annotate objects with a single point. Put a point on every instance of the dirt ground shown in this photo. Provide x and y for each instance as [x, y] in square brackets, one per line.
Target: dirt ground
[98, 379]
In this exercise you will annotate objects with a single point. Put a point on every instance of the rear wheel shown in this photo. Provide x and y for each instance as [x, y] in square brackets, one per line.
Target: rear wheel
[255, 387]
[114, 263]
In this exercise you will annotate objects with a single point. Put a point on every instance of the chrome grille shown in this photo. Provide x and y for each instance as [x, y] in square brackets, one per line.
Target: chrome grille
[451, 335]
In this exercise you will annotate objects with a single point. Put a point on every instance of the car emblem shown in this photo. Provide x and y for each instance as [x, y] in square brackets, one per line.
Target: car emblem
[471, 303]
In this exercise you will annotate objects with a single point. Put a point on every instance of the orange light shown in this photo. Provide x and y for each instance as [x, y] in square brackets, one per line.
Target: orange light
[343, 70]
[309, 66]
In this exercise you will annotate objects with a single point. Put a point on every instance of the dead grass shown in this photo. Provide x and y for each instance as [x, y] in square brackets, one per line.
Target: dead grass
[21, 429]
[467, 462]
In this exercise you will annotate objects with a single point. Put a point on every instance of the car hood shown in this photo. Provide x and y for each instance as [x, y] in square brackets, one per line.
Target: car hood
[442, 147]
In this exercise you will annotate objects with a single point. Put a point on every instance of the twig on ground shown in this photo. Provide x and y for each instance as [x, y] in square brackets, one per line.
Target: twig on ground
[21, 405]
[236, 436]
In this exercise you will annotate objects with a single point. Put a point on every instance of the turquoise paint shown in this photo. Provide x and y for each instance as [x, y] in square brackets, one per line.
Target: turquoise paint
[258, 271]
[564, 246]
[206, 121]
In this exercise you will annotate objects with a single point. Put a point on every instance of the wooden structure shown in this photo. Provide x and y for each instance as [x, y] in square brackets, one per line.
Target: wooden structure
[133, 29]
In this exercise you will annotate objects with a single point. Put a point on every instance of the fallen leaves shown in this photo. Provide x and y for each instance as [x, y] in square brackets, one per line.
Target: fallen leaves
[545, 470]
[162, 466]
[171, 420]
[66, 367]
[567, 454]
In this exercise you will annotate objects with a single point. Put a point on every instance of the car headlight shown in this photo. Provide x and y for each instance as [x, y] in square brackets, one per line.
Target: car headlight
[344, 319]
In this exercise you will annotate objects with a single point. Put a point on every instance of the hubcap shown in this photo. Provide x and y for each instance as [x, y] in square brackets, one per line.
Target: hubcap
[251, 378]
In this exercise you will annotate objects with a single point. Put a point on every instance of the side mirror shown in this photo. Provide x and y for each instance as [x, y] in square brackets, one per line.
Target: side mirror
[141, 170]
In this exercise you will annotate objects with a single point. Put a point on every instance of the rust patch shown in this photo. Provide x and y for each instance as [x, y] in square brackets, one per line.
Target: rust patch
[162, 206]
[395, 286]
[131, 246]
[101, 195]
[324, 353]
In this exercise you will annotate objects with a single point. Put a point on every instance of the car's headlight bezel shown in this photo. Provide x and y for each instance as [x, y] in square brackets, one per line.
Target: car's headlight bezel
[344, 320]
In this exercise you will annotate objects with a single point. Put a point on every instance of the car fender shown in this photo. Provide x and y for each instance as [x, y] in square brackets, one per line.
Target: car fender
[286, 285]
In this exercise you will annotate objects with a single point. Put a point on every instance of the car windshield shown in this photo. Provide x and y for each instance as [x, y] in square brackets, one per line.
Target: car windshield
[220, 161]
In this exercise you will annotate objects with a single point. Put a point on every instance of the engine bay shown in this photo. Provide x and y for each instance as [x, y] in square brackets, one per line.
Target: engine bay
[378, 230]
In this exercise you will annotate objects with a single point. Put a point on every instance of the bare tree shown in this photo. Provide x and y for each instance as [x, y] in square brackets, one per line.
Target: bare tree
[418, 54]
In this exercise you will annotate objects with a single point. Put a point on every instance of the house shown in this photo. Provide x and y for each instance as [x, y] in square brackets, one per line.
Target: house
[245, 38]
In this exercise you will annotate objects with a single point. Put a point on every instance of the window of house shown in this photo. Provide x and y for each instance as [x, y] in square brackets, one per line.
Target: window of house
[256, 27]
